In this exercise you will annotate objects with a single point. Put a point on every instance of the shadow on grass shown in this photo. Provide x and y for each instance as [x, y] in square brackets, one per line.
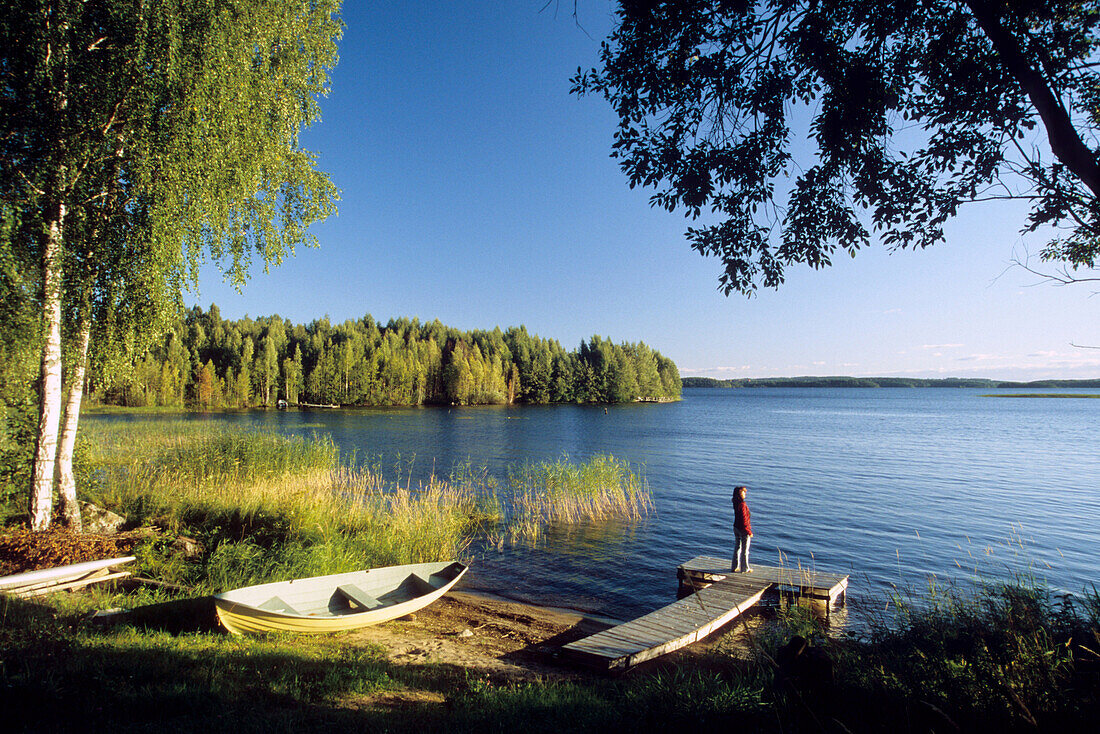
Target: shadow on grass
[57, 675]
[176, 617]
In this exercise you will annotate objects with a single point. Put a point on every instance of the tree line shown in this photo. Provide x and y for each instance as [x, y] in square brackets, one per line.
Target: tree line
[209, 362]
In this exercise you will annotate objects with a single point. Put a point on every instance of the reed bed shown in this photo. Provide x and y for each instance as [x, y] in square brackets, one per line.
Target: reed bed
[545, 493]
[265, 506]
[203, 451]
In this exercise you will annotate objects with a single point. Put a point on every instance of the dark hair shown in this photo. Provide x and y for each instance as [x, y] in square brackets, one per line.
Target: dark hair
[737, 490]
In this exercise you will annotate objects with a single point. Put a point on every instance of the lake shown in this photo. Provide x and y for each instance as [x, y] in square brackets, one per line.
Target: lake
[892, 486]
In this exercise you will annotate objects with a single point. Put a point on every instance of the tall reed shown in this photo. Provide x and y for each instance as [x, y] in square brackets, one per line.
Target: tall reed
[544, 493]
[266, 506]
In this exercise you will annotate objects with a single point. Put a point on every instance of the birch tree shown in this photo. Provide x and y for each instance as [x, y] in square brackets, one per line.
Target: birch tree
[173, 123]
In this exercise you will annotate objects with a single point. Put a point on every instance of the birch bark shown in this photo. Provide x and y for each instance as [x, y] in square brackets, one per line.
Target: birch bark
[49, 411]
[66, 481]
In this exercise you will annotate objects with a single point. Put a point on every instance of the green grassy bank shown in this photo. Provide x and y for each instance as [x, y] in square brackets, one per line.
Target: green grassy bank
[1005, 659]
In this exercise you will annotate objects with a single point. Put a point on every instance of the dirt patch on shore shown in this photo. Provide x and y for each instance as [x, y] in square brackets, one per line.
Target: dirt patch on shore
[484, 637]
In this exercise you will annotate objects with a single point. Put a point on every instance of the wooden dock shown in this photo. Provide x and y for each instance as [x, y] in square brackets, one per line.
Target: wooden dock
[712, 597]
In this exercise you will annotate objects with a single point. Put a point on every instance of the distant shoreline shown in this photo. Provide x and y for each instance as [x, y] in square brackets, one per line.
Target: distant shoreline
[842, 381]
[1042, 395]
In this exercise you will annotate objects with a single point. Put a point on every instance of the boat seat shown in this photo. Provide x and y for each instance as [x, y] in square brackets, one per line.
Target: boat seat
[419, 585]
[275, 604]
[353, 593]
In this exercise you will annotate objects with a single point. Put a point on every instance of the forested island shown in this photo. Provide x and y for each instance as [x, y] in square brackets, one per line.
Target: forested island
[208, 362]
[880, 382]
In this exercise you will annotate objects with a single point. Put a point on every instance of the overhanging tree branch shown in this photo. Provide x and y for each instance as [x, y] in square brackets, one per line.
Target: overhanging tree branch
[1064, 140]
[808, 127]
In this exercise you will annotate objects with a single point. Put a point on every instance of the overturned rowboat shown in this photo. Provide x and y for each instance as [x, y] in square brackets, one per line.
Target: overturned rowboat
[336, 602]
[63, 578]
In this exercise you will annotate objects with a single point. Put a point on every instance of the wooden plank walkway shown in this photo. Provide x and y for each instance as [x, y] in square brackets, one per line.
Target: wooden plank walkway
[714, 596]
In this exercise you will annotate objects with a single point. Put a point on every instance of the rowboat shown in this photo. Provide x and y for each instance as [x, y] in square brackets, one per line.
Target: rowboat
[336, 602]
[73, 576]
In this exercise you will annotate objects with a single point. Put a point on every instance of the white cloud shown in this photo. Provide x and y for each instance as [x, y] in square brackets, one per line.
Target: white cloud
[709, 371]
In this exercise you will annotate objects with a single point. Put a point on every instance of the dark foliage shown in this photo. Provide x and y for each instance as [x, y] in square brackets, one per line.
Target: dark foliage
[909, 108]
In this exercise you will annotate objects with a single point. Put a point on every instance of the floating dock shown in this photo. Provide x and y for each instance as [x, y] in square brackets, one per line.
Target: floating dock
[711, 597]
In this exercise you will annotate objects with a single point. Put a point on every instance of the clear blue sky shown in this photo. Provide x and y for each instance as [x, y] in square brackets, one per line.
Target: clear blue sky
[475, 189]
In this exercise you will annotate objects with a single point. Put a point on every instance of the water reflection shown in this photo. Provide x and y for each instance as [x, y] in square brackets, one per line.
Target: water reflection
[597, 540]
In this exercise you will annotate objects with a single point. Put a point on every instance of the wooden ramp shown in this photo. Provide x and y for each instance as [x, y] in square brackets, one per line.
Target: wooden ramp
[714, 597]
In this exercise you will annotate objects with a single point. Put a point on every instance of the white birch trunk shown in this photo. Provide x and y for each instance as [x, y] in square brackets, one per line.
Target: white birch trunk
[49, 404]
[66, 482]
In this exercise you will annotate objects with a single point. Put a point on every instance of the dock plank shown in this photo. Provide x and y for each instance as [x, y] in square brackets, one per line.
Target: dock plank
[808, 581]
[665, 626]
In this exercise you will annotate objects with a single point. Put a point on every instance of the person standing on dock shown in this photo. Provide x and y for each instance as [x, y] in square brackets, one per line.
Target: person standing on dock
[742, 531]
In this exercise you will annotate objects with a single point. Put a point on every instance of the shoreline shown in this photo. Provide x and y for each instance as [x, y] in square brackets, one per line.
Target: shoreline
[564, 612]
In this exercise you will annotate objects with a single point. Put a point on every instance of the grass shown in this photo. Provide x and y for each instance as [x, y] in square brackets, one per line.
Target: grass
[1009, 656]
[1005, 657]
[261, 507]
[1000, 658]
[133, 679]
[264, 506]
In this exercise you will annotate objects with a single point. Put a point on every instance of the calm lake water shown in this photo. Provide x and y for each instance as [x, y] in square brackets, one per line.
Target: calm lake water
[889, 485]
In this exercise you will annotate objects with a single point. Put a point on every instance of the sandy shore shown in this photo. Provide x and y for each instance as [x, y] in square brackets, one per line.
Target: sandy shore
[487, 636]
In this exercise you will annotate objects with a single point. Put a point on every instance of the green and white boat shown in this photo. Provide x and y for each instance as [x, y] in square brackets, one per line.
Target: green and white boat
[336, 602]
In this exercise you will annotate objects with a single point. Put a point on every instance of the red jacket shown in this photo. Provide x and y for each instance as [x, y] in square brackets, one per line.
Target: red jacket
[742, 518]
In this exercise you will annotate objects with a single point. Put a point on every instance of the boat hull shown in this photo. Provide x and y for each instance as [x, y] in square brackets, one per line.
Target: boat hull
[35, 583]
[338, 601]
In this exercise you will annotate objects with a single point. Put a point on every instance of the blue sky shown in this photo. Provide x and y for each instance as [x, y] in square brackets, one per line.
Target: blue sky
[475, 189]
